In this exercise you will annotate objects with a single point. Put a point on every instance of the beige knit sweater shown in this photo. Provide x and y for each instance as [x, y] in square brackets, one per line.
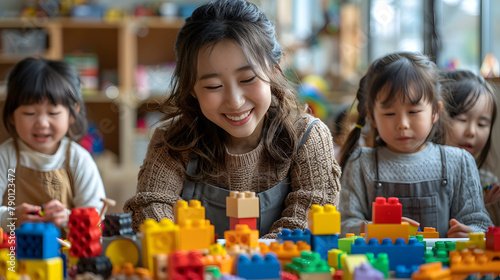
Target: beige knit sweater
[314, 172]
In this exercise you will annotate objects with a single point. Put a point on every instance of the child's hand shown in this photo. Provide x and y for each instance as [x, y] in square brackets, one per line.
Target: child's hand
[55, 212]
[410, 221]
[27, 213]
[458, 230]
[492, 194]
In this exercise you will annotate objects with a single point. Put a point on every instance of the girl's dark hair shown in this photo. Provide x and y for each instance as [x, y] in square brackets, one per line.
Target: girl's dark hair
[188, 130]
[461, 90]
[403, 75]
[34, 80]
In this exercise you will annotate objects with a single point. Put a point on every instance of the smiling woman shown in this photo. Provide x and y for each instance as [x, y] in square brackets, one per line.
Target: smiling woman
[233, 123]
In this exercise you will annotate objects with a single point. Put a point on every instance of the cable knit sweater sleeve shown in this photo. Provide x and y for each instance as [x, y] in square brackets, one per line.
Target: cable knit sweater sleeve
[159, 185]
[315, 178]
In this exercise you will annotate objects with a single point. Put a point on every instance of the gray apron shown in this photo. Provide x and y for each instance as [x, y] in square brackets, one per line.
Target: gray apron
[426, 202]
[271, 201]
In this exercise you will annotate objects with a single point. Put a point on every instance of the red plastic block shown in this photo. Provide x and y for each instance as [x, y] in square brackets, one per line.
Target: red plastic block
[387, 211]
[250, 222]
[493, 238]
[185, 266]
[84, 233]
[287, 276]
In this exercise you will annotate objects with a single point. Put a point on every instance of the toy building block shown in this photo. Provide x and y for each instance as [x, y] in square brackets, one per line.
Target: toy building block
[465, 263]
[413, 229]
[381, 263]
[192, 212]
[476, 241]
[429, 232]
[224, 262]
[237, 249]
[350, 262]
[216, 249]
[432, 271]
[382, 231]
[387, 211]
[121, 249]
[438, 256]
[366, 271]
[295, 235]
[37, 241]
[338, 275]
[286, 251]
[284, 275]
[212, 272]
[117, 224]
[242, 205]
[242, 235]
[250, 222]
[446, 246]
[158, 238]
[335, 258]
[345, 243]
[309, 266]
[185, 265]
[258, 267]
[399, 253]
[84, 233]
[8, 264]
[6, 240]
[43, 269]
[160, 266]
[195, 234]
[405, 271]
[323, 220]
[323, 243]
[493, 238]
[100, 265]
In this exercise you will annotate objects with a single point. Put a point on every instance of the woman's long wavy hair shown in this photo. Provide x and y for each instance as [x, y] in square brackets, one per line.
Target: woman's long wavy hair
[402, 75]
[187, 129]
[462, 90]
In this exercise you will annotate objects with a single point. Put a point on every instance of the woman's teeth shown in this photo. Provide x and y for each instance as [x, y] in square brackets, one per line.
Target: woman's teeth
[240, 117]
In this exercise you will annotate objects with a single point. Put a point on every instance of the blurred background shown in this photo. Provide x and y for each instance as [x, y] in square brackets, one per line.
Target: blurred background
[124, 53]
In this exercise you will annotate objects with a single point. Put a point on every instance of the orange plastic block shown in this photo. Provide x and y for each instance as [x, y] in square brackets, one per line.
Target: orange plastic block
[463, 264]
[242, 235]
[242, 205]
[349, 263]
[323, 220]
[158, 238]
[184, 212]
[432, 271]
[224, 262]
[195, 234]
[387, 211]
[429, 232]
[392, 231]
[288, 250]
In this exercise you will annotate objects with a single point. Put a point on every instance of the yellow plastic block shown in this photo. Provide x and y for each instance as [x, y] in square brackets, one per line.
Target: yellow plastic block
[160, 262]
[216, 249]
[429, 232]
[333, 258]
[392, 231]
[349, 263]
[476, 241]
[122, 250]
[224, 262]
[184, 212]
[323, 220]
[464, 263]
[158, 238]
[242, 235]
[43, 269]
[195, 234]
[412, 230]
[242, 205]
[432, 271]
[288, 250]
[8, 264]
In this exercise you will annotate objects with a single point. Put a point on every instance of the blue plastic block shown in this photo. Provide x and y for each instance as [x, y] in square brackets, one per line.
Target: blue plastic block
[399, 253]
[404, 271]
[295, 235]
[37, 241]
[324, 243]
[258, 268]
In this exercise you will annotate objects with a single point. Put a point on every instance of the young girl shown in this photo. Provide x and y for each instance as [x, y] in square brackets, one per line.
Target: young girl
[470, 101]
[233, 124]
[41, 165]
[438, 186]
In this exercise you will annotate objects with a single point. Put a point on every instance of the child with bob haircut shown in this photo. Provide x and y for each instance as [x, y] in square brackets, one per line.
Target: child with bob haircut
[437, 185]
[233, 124]
[471, 104]
[44, 113]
